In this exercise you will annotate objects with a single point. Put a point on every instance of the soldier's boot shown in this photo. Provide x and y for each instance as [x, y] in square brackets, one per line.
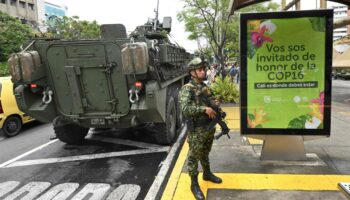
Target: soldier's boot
[196, 190]
[209, 176]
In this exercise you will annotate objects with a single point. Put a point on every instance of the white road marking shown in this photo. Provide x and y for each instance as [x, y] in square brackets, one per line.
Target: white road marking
[96, 191]
[60, 192]
[124, 142]
[27, 153]
[2, 138]
[152, 192]
[30, 191]
[84, 157]
[125, 192]
[7, 187]
[91, 191]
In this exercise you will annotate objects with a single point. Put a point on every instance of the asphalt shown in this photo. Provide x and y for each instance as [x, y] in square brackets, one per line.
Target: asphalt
[245, 176]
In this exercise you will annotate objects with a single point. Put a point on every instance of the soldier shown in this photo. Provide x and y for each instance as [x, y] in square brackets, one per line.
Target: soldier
[198, 116]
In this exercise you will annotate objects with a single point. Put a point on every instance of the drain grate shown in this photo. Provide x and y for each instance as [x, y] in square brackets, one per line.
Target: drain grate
[345, 189]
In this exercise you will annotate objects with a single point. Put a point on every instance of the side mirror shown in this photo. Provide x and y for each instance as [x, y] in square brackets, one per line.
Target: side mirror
[167, 24]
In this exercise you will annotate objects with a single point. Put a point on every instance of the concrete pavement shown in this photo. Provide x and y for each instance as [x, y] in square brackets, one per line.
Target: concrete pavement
[245, 176]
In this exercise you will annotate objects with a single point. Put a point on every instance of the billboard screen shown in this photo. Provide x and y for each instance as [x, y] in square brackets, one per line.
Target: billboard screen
[286, 60]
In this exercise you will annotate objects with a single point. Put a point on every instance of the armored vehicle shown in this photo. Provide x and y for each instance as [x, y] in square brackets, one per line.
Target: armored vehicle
[115, 82]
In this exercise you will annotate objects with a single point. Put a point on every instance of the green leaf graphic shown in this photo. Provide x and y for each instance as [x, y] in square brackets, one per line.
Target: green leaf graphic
[320, 126]
[299, 122]
[251, 48]
[251, 116]
[318, 24]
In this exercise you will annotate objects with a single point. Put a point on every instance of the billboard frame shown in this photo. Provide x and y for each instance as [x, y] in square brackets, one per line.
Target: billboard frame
[325, 131]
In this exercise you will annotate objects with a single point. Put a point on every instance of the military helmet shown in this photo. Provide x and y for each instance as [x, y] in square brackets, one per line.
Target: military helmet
[197, 63]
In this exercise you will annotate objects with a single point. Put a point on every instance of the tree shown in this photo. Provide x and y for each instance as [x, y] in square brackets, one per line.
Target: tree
[209, 20]
[232, 43]
[12, 35]
[71, 28]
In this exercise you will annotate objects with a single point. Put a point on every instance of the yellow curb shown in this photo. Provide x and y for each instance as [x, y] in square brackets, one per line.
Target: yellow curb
[178, 186]
[233, 125]
[232, 113]
[262, 182]
[253, 141]
[175, 175]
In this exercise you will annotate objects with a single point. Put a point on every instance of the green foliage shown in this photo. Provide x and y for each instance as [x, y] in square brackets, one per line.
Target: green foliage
[71, 28]
[225, 90]
[233, 34]
[4, 71]
[12, 35]
[208, 20]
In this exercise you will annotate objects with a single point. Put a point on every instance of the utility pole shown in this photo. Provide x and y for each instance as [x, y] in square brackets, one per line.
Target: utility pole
[323, 4]
[283, 4]
[297, 5]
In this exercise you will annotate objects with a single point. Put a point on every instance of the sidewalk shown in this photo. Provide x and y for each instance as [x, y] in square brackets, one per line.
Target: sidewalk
[245, 176]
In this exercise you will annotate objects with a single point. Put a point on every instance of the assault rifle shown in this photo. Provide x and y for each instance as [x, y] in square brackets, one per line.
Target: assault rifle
[219, 119]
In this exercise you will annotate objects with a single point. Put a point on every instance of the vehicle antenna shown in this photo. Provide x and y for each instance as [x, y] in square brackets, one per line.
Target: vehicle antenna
[156, 18]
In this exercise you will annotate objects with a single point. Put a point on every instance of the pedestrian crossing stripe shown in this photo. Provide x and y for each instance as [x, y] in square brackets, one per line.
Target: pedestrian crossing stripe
[40, 191]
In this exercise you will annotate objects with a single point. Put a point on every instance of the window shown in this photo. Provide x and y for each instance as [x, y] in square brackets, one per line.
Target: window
[31, 6]
[13, 2]
[22, 4]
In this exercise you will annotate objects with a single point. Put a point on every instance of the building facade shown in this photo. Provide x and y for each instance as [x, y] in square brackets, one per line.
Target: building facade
[50, 8]
[25, 10]
[340, 11]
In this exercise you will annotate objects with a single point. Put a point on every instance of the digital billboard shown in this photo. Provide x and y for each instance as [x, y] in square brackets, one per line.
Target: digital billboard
[286, 60]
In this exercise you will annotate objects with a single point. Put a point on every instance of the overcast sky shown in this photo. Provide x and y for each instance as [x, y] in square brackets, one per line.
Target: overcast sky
[136, 12]
[131, 13]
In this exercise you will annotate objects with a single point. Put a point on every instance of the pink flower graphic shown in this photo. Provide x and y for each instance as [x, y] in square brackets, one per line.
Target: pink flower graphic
[319, 101]
[258, 38]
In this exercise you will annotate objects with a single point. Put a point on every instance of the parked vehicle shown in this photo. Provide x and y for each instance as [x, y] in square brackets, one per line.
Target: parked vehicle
[341, 74]
[115, 82]
[11, 118]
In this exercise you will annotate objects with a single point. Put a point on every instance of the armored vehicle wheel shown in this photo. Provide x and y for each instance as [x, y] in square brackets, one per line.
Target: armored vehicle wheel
[12, 126]
[166, 132]
[71, 133]
[180, 119]
[179, 116]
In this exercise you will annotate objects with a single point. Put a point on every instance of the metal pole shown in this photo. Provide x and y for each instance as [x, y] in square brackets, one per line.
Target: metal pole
[297, 5]
[283, 3]
[323, 4]
[156, 18]
[291, 4]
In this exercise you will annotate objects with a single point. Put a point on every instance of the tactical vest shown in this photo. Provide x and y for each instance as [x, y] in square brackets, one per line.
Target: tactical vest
[203, 119]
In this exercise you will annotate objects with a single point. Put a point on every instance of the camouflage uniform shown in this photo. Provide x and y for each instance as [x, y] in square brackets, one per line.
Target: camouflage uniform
[200, 140]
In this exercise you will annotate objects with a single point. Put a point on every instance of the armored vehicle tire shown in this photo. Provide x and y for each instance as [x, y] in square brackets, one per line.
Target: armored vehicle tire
[180, 119]
[166, 132]
[12, 126]
[71, 133]
[179, 116]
